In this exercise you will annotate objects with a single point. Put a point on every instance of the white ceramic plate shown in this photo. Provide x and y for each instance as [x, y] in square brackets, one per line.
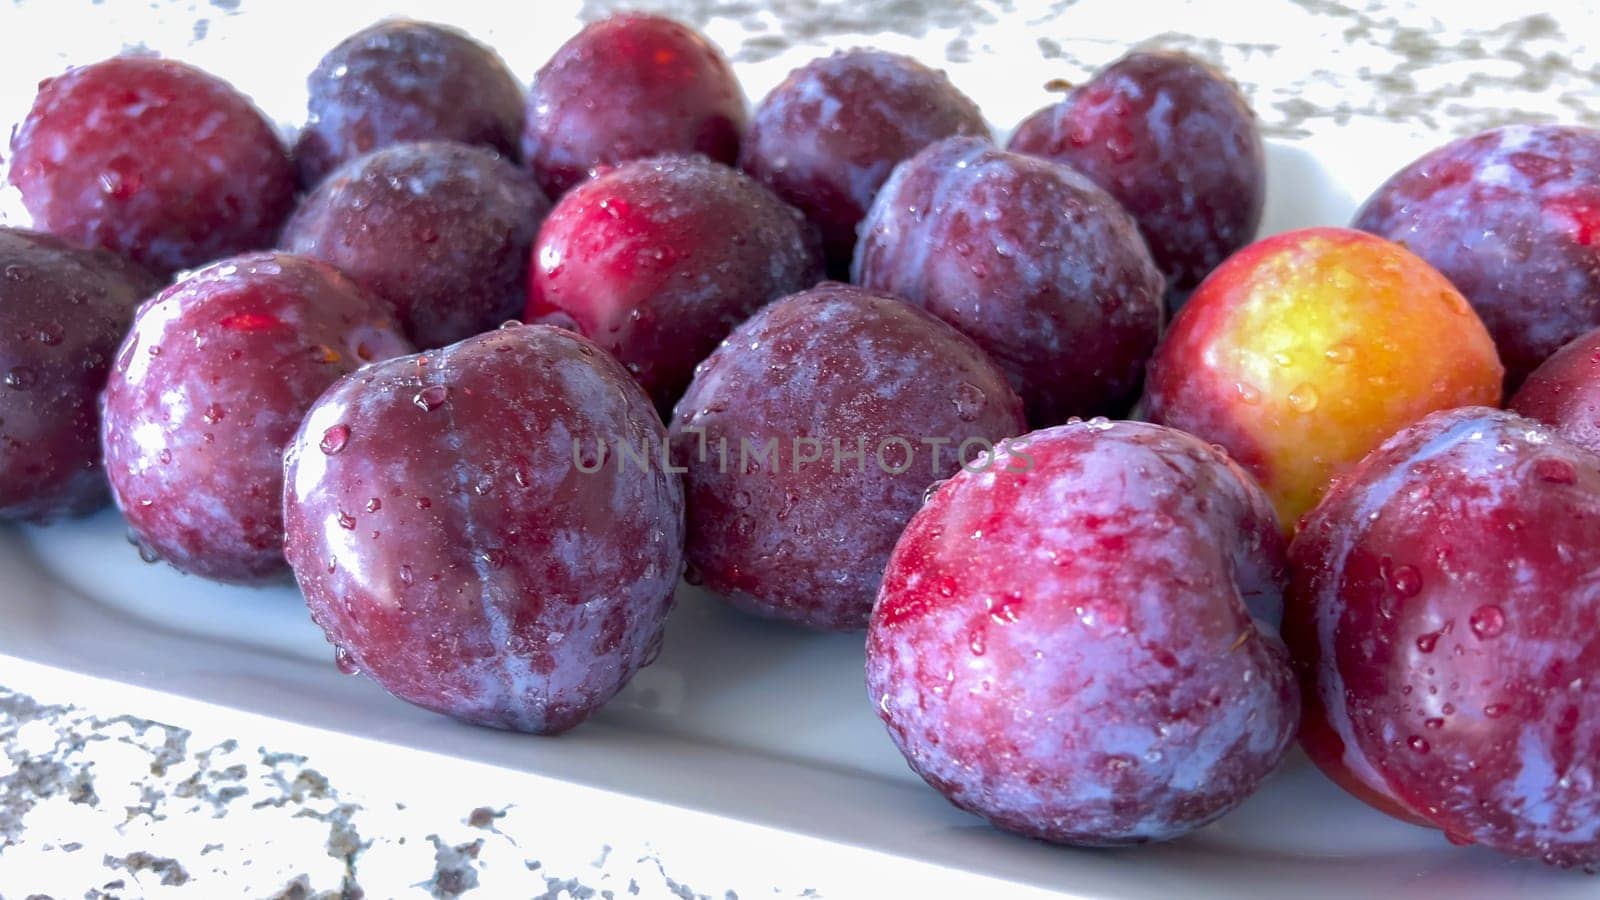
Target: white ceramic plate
[740, 724]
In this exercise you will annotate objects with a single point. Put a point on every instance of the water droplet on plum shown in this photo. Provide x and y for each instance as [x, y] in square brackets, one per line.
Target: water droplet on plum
[1555, 471]
[970, 401]
[21, 378]
[1303, 398]
[1487, 621]
[431, 397]
[1405, 580]
[333, 440]
[344, 662]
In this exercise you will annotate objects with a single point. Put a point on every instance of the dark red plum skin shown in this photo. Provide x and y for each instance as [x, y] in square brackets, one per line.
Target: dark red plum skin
[63, 311]
[440, 230]
[401, 81]
[1064, 643]
[1175, 142]
[1564, 392]
[1445, 623]
[806, 541]
[210, 385]
[827, 138]
[455, 545]
[1031, 260]
[1512, 217]
[628, 87]
[657, 260]
[154, 160]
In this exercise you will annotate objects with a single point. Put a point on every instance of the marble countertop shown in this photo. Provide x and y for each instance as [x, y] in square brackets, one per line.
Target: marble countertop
[99, 804]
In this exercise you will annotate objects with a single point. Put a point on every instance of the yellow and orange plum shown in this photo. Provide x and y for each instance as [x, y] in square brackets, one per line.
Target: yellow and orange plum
[1304, 351]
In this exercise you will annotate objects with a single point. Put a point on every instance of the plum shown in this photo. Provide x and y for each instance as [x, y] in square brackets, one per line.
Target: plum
[209, 386]
[1512, 217]
[809, 439]
[1078, 640]
[1032, 260]
[1445, 623]
[1305, 350]
[826, 138]
[1564, 391]
[469, 529]
[1173, 140]
[63, 310]
[627, 87]
[152, 159]
[657, 260]
[400, 81]
[440, 230]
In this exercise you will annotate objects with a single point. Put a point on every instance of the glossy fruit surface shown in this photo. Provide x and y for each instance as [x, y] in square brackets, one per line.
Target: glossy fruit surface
[1512, 217]
[207, 389]
[810, 437]
[1028, 258]
[1306, 350]
[1064, 643]
[657, 260]
[461, 539]
[63, 310]
[826, 138]
[152, 159]
[400, 81]
[627, 87]
[1564, 392]
[1445, 620]
[1173, 140]
[440, 230]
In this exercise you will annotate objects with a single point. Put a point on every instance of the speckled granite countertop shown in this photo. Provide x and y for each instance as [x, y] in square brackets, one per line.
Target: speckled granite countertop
[98, 804]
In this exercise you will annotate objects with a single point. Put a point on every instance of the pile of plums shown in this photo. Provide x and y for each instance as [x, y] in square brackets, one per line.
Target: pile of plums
[1086, 630]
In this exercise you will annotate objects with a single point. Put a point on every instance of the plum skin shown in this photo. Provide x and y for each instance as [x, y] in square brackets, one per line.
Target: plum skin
[208, 387]
[627, 87]
[827, 137]
[451, 548]
[400, 81]
[1447, 635]
[152, 159]
[1512, 217]
[1305, 350]
[657, 260]
[1173, 140]
[806, 542]
[1079, 643]
[63, 310]
[1564, 392]
[440, 230]
[1031, 260]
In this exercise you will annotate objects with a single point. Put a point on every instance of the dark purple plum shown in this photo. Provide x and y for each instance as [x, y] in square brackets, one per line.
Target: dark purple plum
[152, 159]
[1079, 642]
[208, 388]
[440, 230]
[63, 311]
[826, 138]
[627, 87]
[1173, 140]
[801, 531]
[1445, 622]
[657, 260]
[1031, 260]
[1512, 217]
[400, 81]
[1564, 392]
[462, 540]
